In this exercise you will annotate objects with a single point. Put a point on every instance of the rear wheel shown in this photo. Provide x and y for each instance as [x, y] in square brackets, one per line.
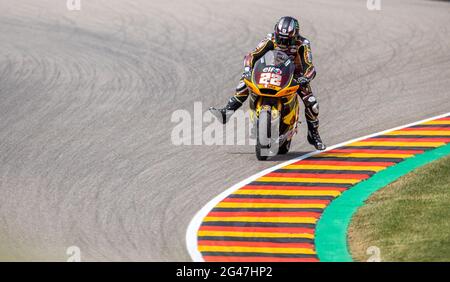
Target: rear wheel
[263, 128]
[284, 149]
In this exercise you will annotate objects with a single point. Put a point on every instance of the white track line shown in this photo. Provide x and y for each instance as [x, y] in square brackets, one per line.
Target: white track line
[194, 225]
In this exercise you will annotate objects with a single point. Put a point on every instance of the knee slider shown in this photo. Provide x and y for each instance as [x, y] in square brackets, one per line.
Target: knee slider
[312, 103]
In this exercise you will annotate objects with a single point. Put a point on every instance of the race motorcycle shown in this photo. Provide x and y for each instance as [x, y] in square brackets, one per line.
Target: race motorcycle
[273, 103]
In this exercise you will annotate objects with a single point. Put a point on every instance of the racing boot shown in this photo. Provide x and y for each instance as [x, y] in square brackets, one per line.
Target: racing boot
[224, 114]
[314, 137]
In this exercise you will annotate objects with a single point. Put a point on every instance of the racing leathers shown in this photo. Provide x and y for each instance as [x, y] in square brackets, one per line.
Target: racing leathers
[305, 71]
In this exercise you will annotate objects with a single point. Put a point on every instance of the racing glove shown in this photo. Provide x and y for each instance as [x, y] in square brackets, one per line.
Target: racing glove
[247, 73]
[302, 81]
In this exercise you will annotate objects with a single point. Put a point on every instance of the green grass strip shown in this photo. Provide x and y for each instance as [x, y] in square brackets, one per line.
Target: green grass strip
[331, 230]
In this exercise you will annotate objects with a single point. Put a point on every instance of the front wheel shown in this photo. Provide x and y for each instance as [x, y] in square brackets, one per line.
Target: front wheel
[263, 130]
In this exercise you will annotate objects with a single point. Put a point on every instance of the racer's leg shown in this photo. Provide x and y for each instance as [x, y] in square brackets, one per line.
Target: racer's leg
[234, 103]
[312, 116]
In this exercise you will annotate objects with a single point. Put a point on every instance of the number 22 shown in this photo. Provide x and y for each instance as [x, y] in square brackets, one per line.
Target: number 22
[270, 78]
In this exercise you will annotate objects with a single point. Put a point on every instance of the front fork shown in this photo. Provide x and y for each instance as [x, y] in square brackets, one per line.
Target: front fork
[287, 110]
[266, 117]
[259, 103]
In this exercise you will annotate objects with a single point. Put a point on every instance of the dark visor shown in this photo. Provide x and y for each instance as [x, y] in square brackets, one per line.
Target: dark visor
[284, 41]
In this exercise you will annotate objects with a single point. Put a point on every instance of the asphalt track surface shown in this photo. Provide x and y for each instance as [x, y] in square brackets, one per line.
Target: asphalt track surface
[86, 99]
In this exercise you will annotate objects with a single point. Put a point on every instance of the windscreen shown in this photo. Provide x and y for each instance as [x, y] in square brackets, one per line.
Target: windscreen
[274, 71]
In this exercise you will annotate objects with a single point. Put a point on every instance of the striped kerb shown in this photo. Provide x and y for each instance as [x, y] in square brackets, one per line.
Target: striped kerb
[274, 218]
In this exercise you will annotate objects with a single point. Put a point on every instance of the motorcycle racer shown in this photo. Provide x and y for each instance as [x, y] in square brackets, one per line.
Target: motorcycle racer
[286, 38]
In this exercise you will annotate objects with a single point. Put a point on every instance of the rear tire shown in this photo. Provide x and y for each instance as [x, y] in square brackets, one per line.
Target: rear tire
[284, 149]
[263, 127]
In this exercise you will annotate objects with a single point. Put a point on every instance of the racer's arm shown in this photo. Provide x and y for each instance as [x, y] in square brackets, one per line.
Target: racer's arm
[304, 52]
[263, 47]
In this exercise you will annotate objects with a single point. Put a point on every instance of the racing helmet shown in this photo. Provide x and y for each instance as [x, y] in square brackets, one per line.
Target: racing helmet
[286, 32]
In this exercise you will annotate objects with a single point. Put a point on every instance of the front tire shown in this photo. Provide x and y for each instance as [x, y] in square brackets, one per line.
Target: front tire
[263, 128]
